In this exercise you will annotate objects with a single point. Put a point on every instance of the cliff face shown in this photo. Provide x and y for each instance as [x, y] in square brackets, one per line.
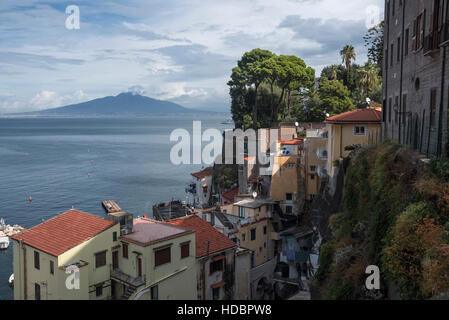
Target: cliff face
[390, 210]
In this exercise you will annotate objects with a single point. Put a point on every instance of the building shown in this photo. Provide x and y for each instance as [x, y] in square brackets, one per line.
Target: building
[45, 254]
[215, 259]
[202, 187]
[314, 160]
[357, 127]
[416, 75]
[287, 181]
[155, 262]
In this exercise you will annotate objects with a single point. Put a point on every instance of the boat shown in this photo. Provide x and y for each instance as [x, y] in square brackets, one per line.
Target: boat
[11, 281]
[4, 243]
[2, 224]
[229, 121]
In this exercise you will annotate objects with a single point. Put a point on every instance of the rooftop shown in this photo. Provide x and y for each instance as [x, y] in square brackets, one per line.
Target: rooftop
[230, 195]
[64, 232]
[204, 232]
[253, 203]
[148, 231]
[366, 116]
[204, 173]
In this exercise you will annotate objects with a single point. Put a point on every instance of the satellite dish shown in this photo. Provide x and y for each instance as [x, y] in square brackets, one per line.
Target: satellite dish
[297, 124]
[327, 115]
[368, 100]
[254, 194]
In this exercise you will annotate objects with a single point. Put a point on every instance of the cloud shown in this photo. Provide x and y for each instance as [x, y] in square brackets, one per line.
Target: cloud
[181, 50]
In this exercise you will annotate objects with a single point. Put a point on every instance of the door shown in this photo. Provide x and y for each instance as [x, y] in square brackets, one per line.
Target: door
[139, 267]
[115, 260]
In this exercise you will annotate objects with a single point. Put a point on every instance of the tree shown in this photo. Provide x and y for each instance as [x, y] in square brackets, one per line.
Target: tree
[347, 55]
[374, 41]
[370, 77]
[335, 97]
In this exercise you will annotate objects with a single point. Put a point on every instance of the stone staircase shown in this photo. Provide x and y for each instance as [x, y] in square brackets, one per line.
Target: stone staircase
[129, 292]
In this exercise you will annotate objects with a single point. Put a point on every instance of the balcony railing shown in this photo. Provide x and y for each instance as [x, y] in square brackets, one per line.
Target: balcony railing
[431, 42]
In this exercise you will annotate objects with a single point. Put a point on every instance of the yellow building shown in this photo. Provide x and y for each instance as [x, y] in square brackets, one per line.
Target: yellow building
[358, 127]
[314, 160]
[286, 178]
[79, 256]
[156, 262]
[67, 257]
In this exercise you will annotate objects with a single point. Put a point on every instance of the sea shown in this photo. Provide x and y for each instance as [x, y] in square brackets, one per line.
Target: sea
[64, 163]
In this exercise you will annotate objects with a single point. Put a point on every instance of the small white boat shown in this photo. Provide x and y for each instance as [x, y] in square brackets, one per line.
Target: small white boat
[2, 224]
[4, 243]
[11, 281]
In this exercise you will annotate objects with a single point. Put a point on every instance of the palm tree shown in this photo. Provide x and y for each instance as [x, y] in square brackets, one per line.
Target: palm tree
[347, 55]
[369, 78]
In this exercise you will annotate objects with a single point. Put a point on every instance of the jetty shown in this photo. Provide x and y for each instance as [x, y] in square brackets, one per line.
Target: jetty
[111, 206]
[171, 210]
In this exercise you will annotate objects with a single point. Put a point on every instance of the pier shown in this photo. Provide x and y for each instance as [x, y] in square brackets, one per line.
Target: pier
[111, 206]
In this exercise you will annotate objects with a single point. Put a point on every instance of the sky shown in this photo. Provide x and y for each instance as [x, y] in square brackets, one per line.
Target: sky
[177, 50]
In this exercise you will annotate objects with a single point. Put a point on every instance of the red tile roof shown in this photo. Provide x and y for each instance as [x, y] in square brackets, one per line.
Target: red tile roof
[230, 195]
[292, 141]
[371, 116]
[204, 232]
[204, 173]
[64, 232]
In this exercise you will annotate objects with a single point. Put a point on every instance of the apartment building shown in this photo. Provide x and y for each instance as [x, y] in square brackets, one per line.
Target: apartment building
[415, 74]
[46, 257]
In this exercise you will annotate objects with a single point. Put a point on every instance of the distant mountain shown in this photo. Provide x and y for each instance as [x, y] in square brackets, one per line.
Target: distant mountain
[122, 104]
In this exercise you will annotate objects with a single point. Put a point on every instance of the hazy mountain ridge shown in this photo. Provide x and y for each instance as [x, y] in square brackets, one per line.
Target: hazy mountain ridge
[122, 104]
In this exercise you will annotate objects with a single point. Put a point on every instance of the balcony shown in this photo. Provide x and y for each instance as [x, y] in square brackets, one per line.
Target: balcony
[125, 279]
[431, 43]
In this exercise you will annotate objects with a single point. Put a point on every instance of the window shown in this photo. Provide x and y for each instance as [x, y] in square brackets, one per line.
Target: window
[243, 237]
[185, 250]
[390, 106]
[433, 106]
[404, 108]
[359, 131]
[407, 35]
[114, 236]
[205, 189]
[100, 259]
[396, 104]
[313, 168]
[36, 260]
[289, 197]
[265, 230]
[312, 177]
[386, 59]
[125, 250]
[241, 212]
[216, 266]
[398, 55]
[253, 234]
[154, 293]
[37, 291]
[99, 290]
[392, 55]
[289, 209]
[162, 256]
[52, 267]
[393, 7]
[216, 293]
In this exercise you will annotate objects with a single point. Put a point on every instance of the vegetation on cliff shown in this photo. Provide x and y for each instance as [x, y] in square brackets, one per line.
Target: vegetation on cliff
[396, 217]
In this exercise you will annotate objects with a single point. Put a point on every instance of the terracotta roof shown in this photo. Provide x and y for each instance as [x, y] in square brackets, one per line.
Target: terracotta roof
[148, 231]
[204, 173]
[204, 232]
[357, 116]
[64, 232]
[230, 195]
[291, 142]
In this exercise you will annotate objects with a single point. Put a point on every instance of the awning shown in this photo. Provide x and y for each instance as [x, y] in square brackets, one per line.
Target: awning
[218, 258]
[218, 285]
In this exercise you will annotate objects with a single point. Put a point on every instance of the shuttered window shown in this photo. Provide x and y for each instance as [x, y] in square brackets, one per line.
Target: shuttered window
[100, 259]
[36, 260]
[433, 106]
[162, 256]
[185, 250]
[125, 251]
